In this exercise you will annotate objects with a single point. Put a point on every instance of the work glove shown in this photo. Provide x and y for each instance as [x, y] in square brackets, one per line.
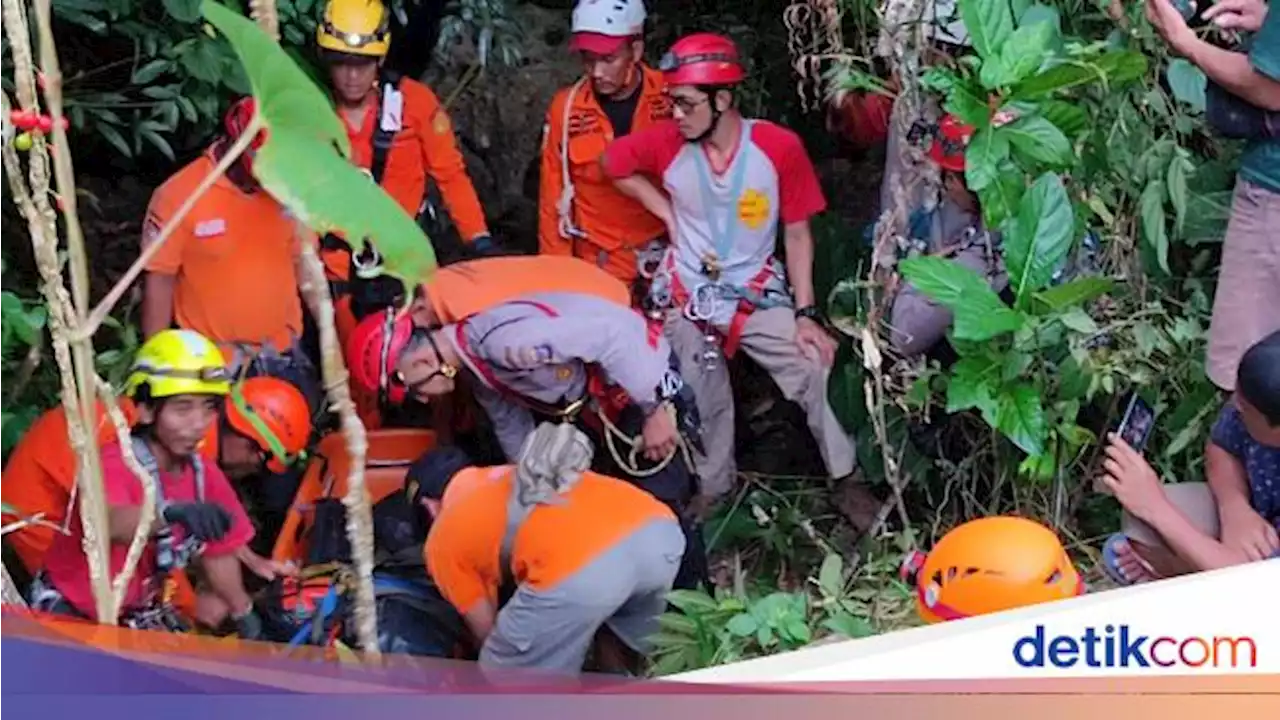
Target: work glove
[203, 521]
[249, 625]
[485, 246]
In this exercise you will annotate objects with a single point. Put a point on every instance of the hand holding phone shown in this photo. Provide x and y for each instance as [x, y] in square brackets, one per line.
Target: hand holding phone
[1135, 429]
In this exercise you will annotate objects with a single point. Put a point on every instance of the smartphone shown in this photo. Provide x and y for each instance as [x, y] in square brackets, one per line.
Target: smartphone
[1136, 424]
[1135, 428]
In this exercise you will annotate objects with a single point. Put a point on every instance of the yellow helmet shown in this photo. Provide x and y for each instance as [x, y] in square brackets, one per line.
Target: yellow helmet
[177, 362]
[355, 27]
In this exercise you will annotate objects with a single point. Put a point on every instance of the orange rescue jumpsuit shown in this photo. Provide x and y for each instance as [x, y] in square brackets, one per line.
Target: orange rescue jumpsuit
[613, 225]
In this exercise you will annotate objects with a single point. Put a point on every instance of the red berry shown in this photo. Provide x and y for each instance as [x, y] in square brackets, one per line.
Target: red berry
[23, 119]
[44, 123]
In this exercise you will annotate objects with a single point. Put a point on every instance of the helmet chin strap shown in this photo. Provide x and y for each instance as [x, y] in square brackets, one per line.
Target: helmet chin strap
[715, 122]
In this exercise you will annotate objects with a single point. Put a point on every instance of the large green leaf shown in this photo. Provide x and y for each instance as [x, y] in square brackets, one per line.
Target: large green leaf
[1020, 56]
[183, 10]
[304, 161]
[1038, 139]
[1115, 68]
[1155, 232]
[969, 107]
[1020, 417]
[1076, 292]
[982, 157]
[1187, 82]
[973, 383]
[1000, 199]
[979, 312]
[989, 22]
[1041, 238]
[1070, 118]
[845, 389]
[1207, 215]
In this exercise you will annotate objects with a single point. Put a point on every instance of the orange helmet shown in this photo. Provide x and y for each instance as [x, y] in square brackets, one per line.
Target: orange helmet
[989, 565]
[274, 414]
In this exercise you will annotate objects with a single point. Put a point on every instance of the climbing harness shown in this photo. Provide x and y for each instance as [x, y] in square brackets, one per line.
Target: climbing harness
[704, 303]
[172, 557]
[564, 205]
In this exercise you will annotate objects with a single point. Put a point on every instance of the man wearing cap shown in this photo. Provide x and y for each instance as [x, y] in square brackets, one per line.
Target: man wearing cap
[550, 355]
[580, 211]
[731, 181]
[540, 556]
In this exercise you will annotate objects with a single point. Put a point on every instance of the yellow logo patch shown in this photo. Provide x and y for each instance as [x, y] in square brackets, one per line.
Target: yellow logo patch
[753, 208]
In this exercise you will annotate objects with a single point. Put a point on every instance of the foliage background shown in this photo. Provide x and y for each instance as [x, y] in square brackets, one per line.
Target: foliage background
[146, 85]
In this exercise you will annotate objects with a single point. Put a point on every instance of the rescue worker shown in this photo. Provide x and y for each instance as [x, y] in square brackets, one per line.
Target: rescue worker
[460, 290]
[401, 135]
[229, 270]
[580, 211]
[731, 181]
[551, 355]
[177, 382]
[576, 551]
[263, 429]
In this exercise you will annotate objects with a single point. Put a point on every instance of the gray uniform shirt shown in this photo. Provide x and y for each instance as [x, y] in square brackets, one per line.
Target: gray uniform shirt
[538, 348]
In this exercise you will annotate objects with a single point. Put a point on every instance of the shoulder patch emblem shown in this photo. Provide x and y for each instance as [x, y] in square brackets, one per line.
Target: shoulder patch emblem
[440, 125]
[753, 208]
[528, 357]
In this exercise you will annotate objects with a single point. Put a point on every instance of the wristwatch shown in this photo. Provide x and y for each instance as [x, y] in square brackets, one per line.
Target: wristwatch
[809, 311]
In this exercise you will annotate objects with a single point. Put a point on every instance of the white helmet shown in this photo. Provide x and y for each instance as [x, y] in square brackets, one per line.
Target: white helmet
[613, 18]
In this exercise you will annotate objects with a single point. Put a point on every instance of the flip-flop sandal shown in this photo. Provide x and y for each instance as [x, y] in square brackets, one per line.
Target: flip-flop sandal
[1111, 561]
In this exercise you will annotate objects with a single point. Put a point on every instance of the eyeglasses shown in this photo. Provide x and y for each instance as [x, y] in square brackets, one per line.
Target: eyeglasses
[687, 105]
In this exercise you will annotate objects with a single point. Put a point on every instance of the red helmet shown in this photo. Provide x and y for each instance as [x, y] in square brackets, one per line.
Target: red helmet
[949, 143]
[237, 119]
[372, 351]
[702, 59]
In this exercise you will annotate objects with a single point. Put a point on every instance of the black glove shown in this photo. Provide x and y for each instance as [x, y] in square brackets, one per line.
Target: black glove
[485, 246]
[249, 626]
[202, 521]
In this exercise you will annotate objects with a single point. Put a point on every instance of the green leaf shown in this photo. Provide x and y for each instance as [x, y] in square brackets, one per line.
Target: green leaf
[1038, 13]
[831, 575]
[151, 71]
[797, 631]
[304, 161]
[113, 136]
[1187, 82]
[1078, 291]
[1020, 417]
[968, 107]
[1020, 56]
[202, 60]
[744, 625]
[1070, 118]
[982, 157]
[1077, 319]
[183, 10]
[1036, 138]
[1153, 226]
[1115, 68]
[989, 22]
[979, 312]
[850, 626]
[972, 382]
[1176, 184]
[691, 600]
[156, 140]
[1042, 237]
[1000, 199]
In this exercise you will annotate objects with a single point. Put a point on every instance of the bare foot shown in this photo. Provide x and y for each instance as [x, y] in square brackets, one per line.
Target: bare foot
[1132, 566]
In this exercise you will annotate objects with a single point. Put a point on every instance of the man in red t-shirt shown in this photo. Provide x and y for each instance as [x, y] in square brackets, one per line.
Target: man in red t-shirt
[731, 181]
[178, 381]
